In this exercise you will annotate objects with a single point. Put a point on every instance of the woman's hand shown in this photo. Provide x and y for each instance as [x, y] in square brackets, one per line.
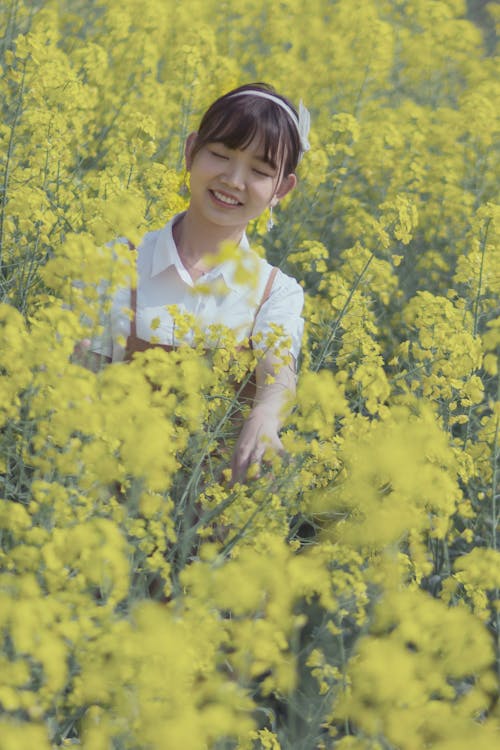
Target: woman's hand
[259, 434]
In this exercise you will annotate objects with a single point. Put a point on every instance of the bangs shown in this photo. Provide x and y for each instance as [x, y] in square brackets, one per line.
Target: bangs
[238, 121]
[237, 130]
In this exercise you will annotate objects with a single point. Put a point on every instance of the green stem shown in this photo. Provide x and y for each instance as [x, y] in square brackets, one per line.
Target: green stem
[343, 665]
[475, 324]
[495, 519]
[335, 328]
[276, 489]
[225, 417]
[6, 175]
[494, 488]
[240, 533]
[10, 26]
[480, 280]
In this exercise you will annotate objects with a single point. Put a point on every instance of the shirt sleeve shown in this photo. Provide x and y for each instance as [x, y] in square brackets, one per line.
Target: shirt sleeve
[283, 308]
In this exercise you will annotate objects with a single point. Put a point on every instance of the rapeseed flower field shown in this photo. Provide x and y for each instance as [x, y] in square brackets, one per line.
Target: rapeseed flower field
[348, 598]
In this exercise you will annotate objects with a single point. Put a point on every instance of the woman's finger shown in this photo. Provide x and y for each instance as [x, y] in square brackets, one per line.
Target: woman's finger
[239, 465]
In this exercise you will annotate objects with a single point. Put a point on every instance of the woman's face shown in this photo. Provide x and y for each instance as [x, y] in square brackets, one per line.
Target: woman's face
[229, 187]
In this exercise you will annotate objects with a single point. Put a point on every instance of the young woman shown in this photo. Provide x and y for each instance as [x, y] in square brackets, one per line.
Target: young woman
[242, 162]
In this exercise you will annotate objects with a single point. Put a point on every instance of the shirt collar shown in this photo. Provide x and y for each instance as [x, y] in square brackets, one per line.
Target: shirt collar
[165, 255]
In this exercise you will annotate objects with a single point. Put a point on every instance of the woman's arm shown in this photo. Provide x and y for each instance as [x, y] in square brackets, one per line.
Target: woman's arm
[272, 403]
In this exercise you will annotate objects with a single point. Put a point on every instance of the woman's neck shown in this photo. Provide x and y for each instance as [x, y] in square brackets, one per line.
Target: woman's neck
[195, 238]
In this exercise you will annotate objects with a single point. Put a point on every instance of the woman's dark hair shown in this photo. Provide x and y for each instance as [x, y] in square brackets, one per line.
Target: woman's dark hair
[236, 120]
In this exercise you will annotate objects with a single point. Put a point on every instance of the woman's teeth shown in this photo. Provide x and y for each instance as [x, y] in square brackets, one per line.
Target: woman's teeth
[225, 198]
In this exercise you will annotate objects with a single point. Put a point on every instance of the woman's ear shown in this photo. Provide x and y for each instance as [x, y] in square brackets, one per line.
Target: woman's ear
[188, 149]
[286, 185]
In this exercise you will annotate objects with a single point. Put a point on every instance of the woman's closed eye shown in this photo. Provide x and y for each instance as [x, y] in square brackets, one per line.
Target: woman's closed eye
[260, 171]
[263, 169]
[218, 154]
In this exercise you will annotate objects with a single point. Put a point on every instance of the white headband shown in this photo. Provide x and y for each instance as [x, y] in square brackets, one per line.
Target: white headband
[302, 124]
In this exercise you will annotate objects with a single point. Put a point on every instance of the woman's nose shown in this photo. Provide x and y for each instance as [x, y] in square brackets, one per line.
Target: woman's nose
[234, 174]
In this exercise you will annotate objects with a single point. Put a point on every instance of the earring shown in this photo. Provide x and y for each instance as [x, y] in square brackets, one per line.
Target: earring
[270, 222]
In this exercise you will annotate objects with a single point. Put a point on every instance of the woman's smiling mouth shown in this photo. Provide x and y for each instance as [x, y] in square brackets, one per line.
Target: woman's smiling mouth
[227, 200]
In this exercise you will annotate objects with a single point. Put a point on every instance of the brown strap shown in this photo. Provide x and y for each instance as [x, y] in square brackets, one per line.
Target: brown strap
[265, 297]
[267, 290]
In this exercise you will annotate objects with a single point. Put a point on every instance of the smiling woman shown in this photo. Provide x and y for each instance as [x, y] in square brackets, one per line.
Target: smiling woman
[241, 161]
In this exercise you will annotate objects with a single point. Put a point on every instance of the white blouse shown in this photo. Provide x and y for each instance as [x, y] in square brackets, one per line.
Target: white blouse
[219, 297]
